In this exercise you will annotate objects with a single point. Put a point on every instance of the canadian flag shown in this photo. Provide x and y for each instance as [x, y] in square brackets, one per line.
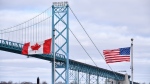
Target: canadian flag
[37, 47]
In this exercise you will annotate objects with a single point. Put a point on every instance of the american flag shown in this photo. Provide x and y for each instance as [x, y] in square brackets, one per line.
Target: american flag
[117, 55]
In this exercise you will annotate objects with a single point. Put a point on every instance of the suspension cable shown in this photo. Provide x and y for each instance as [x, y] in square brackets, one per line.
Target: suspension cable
[26, 27]
[80, 43]
[91, 40]
[83, 47]
[27, 20]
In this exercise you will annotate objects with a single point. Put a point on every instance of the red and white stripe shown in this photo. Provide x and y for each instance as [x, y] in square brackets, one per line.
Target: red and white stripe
[112, 56]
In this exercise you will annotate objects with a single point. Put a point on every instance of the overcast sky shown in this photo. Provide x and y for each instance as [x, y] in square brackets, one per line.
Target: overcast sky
[110, 23]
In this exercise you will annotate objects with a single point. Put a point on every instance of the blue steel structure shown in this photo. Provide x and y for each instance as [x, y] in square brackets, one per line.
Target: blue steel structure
[60, 51]
[60, 15]
[14, 47]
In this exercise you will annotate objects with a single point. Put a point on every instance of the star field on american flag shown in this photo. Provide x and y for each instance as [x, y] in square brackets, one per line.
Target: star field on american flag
[117, 55]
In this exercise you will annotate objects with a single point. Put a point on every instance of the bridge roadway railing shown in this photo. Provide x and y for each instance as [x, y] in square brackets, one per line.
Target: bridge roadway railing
[15, 47]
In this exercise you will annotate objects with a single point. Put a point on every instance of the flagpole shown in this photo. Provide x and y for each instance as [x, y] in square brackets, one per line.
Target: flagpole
[53, 45]
[132, 60]
[54, 54]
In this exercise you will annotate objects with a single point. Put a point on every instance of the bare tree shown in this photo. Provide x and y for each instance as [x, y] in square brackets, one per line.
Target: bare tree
[3, 82]
[26, 83]
[10, 82]
[44, 82]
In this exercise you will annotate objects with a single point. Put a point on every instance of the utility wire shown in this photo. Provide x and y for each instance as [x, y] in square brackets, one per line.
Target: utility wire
[91, 39]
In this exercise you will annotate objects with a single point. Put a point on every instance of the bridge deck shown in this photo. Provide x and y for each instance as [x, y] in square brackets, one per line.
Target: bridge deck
[14, 47]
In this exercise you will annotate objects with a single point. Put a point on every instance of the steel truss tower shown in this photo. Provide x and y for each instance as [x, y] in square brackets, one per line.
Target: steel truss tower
[60, 43]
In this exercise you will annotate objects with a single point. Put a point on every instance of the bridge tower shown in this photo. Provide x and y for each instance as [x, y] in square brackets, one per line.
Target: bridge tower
[60, 36]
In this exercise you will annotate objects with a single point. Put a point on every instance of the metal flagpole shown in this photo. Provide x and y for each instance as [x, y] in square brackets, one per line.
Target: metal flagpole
[132, 60]
[53, 46]
[54, 55]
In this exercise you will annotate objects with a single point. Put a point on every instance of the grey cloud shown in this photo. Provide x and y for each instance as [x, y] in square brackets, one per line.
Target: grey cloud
[111, 24]
[133, 14]
[23, 73]
[25, 4]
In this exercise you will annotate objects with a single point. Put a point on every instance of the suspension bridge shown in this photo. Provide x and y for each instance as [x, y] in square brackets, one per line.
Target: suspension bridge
[54, 23]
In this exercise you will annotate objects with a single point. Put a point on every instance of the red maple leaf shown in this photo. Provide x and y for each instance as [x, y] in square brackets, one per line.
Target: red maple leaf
[35, 47]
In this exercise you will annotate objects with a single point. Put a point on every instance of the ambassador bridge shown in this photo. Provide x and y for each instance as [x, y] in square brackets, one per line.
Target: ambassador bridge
[54, 23]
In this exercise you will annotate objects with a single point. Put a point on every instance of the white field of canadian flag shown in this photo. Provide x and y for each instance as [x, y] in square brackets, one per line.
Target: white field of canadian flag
[43, 47]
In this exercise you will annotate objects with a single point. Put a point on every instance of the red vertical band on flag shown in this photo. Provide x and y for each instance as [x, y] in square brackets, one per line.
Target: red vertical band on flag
[47, 46]
[25, 48]
[43, 47]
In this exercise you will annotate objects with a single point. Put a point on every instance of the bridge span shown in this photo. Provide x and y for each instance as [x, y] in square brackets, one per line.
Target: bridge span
[54, 23]
[15, 47]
